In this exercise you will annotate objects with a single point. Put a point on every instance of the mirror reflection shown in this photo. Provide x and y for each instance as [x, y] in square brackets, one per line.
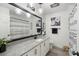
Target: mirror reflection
[22, 24]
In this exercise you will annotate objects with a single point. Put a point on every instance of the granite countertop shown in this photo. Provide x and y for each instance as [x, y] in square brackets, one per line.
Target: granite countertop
[19, 47]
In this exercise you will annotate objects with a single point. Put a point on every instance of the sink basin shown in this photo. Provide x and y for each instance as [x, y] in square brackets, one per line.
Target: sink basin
[39, 40]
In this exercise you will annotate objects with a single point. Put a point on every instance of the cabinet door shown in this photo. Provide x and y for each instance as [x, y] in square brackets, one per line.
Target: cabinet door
[43, 49]
[47, 46]
[34, 52]
[37, 51]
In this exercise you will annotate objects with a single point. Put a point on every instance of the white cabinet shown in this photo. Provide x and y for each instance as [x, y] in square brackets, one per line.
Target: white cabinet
[47, 46]
[43, 49]
[39, 50]
[30, 53]
[34, 52]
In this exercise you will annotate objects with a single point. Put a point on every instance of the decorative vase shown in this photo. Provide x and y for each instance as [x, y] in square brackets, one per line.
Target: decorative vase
[2, 48]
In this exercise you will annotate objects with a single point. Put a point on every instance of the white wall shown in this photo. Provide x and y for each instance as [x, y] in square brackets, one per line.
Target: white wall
[4, 22]
[62, 37]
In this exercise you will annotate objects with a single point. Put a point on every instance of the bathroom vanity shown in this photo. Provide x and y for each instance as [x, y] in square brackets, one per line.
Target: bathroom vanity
[32, 47]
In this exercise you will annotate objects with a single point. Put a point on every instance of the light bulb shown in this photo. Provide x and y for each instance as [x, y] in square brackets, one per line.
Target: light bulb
[31, 4]
[18, 11]
[28, 15]
[40, 10]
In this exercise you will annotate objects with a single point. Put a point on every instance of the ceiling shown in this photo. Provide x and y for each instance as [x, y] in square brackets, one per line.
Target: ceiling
[45, 6]
[47, 9]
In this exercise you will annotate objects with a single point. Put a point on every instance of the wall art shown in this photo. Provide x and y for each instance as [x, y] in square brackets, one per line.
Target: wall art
[55, 21]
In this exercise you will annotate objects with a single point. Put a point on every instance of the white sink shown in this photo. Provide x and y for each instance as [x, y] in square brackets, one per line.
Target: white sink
[39, 40]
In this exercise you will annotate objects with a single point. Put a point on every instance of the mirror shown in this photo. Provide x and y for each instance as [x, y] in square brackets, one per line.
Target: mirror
[23, 23]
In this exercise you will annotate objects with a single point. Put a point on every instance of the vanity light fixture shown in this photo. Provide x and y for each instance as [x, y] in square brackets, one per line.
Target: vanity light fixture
[31, 6]
[40, 10]
[18, 11]
[28, 15]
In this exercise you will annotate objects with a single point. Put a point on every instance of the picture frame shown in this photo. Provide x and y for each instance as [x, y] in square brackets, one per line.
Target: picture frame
[55, 21]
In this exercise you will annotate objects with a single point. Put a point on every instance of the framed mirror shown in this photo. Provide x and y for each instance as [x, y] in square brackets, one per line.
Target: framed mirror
[23, 24]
